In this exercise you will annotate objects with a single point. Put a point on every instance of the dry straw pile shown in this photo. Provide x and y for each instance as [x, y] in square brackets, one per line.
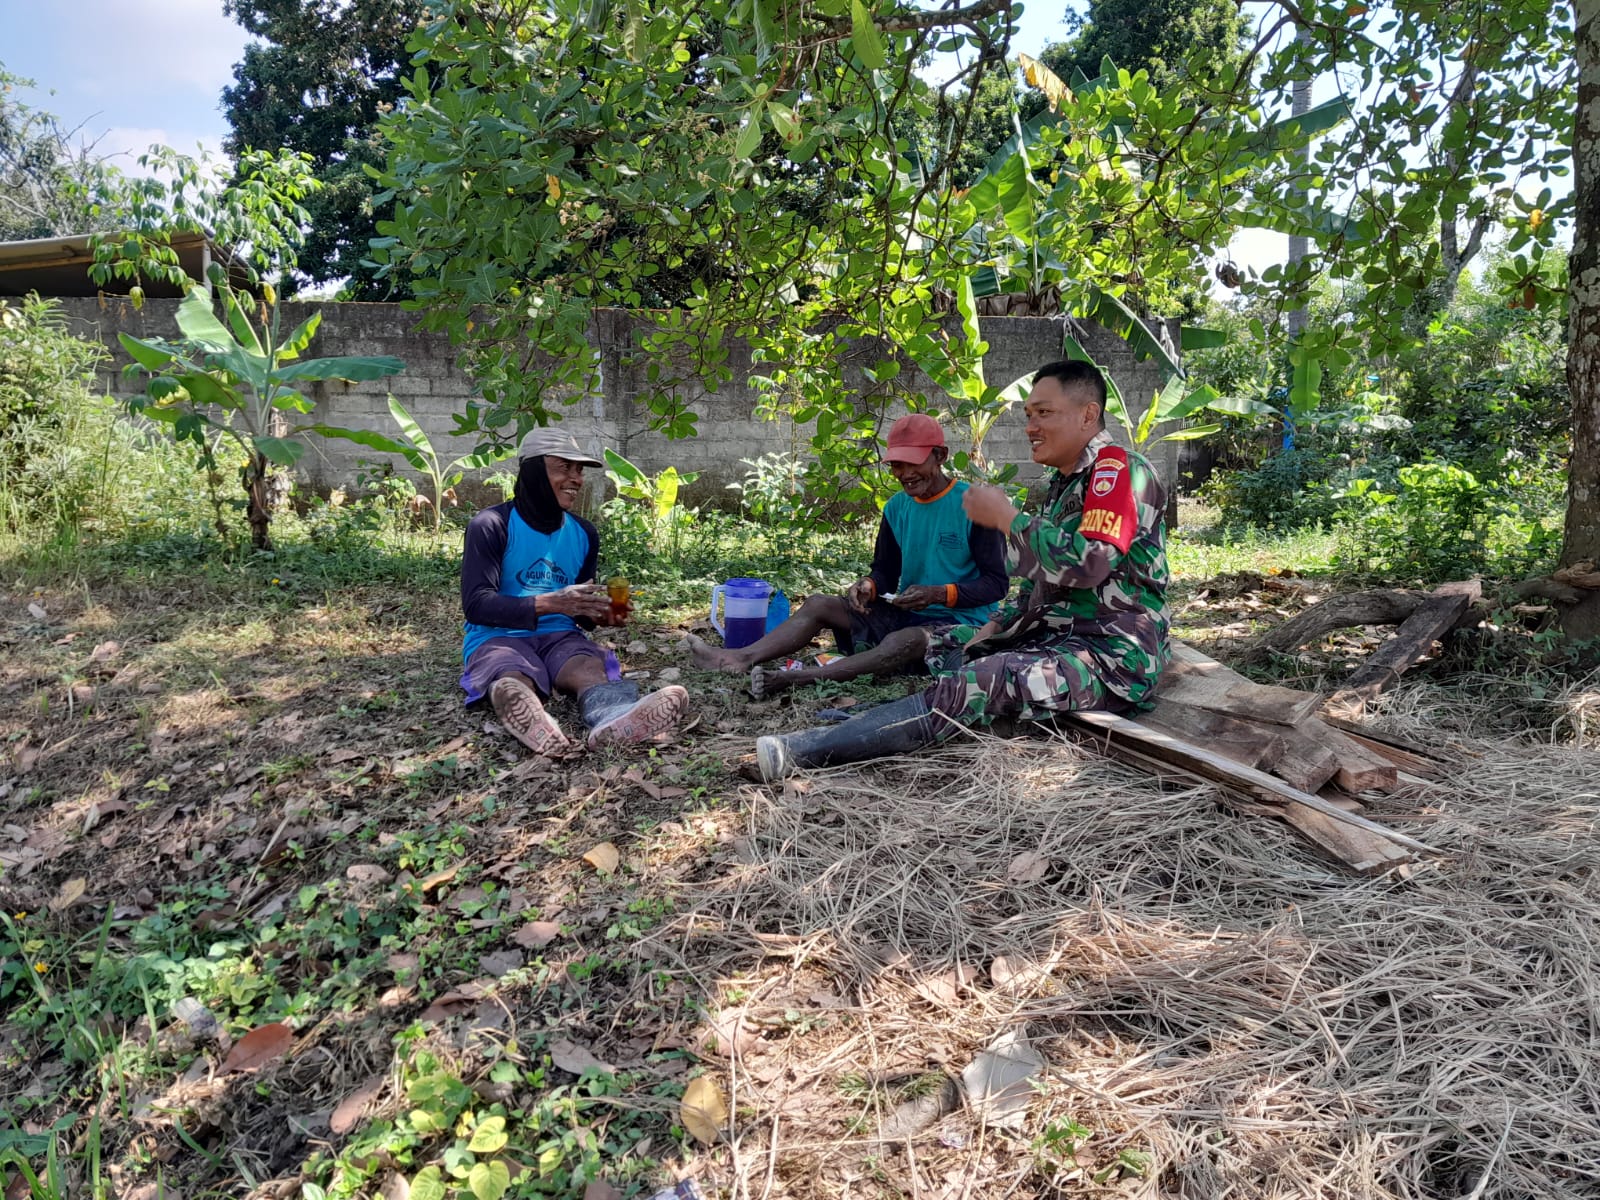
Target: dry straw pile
[1204, 990]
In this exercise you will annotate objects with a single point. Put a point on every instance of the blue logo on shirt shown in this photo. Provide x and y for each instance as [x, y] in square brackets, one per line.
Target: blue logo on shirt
[544, 575]
[951, 541]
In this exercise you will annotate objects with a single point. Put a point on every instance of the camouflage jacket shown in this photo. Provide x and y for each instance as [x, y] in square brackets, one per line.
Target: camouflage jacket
[1110, 600]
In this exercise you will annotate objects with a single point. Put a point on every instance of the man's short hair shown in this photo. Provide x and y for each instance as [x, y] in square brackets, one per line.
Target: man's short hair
[1074, 372]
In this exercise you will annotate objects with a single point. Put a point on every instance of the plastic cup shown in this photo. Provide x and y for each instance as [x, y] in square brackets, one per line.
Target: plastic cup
[618, 590]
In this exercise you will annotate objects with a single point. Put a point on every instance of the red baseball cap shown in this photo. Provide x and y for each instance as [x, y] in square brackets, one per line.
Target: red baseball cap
[912, 437]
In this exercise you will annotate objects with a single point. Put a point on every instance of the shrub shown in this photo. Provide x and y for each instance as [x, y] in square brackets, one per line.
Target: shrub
[1444, 522]
[68, 460]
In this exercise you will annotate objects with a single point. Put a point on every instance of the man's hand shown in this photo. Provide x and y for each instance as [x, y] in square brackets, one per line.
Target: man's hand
[860, 594]
[918, 597]
[987, 506]
[580, 600]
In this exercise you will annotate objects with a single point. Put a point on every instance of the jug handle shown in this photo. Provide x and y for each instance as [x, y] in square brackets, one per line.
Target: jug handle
[716, 623]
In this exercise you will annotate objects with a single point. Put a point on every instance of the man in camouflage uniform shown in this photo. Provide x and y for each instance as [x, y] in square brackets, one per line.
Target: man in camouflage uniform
[1088, 629]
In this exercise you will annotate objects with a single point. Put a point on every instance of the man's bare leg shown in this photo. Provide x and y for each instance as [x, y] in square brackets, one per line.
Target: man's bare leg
[815, 615]
[894, 654]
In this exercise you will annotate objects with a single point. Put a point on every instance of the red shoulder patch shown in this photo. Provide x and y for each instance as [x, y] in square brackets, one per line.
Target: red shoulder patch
[1109, 511]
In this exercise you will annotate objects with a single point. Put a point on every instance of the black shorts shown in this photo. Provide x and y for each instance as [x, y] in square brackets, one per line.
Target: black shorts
[882, 618]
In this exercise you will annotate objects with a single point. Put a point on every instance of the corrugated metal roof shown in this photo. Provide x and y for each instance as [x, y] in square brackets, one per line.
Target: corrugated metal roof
[59, 266]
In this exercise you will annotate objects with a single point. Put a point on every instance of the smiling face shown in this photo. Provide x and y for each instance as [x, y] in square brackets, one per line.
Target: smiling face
[923, 480]
[1061, 422]
[566, 480]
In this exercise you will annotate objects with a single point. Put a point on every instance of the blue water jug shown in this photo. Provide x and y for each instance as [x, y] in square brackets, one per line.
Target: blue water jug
[744, 604]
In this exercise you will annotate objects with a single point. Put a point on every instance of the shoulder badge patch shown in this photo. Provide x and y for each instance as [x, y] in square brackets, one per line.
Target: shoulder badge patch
[1109, 511]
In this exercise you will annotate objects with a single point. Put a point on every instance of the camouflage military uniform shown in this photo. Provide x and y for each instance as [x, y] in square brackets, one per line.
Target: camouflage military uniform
[1088, 629]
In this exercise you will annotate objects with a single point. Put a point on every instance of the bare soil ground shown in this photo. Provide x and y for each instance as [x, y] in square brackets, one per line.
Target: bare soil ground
[223, 813]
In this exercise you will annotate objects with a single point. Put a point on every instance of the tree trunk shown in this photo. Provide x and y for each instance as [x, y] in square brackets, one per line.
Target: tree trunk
[259, 512]
[1582, 534]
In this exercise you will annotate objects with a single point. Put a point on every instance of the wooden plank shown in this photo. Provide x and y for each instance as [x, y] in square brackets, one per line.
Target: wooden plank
[1359, 769]
[1306, 763]
[1393, 741]
[1195, 679]
[1432, 619]
[1354, 849]
[1404, 759]
[1254, 745]
[1231, 774]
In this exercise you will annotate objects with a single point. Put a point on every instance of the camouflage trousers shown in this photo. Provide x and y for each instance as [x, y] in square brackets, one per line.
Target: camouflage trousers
[1033, 682]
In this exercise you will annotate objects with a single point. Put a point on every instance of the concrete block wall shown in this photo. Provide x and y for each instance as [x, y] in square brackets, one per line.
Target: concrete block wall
[434, 389]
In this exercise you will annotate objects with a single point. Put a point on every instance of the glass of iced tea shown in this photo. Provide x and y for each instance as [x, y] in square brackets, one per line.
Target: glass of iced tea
[619, 592]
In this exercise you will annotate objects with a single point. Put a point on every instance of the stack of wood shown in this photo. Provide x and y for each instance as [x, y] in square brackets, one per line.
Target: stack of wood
[1301, 757]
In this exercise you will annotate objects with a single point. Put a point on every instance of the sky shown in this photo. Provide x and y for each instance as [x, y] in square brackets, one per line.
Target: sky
[129, 72]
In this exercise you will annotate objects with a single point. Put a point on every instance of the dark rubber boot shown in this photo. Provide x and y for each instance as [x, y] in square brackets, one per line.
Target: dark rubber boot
[897, 728]
[616, 715]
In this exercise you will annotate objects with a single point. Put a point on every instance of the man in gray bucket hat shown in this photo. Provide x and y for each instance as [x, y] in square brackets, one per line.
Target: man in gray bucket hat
[529, 594]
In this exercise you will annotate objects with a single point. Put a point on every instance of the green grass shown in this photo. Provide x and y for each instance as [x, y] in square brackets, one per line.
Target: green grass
[1200, 549]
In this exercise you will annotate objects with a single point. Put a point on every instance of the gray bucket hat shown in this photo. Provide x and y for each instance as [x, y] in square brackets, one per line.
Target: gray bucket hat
[555, 442]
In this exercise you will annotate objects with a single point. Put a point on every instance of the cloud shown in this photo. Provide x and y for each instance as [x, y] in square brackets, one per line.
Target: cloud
[123, 144]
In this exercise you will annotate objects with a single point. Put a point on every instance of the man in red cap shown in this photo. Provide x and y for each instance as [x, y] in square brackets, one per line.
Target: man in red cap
[932, 568]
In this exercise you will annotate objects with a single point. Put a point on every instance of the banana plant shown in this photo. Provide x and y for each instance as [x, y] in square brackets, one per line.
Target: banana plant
[418, 451]
[240, 381]
[1175, 401]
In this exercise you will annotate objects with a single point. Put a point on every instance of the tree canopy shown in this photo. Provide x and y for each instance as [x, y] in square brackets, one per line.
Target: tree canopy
[316, 83]
[51, 183]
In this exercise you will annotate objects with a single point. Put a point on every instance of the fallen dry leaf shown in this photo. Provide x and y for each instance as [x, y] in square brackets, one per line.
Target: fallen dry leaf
[368, 873]
[730, 1033]
[71, 892]
[946, 989]
[604, 858]
[1028, 867]
[500, 962]
[536, 935]
[348, 1114]
[703, 1110]
[570, 1056]
[437, 880]
[37, 612]
[260, 1045]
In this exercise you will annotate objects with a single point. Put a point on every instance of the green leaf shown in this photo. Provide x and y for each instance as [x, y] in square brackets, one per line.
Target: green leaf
[283, 451]
[240, 321]
[1195, 338]
[373, 441]
[205, 388]
[1192, 433]
[1241, 407]
[623, 469]
[354, 367]
[428, 1184]
[784, 121]
[489, 1181]
[1192, 401]
[152, 356]
[198, 323]
[666, 492]
[489, 1136]
[1116, 316]
[864, 37]
[750, 136]
[412, 432]
[766, 32]
[1305, 388]
[301, 338]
